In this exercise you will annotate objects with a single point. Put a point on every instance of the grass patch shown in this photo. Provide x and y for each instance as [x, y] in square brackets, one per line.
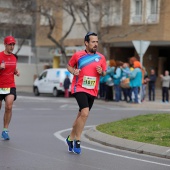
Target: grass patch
[150, 128]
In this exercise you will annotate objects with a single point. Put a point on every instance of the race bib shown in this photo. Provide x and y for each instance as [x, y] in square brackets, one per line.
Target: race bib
[89, 82]
[4, 90]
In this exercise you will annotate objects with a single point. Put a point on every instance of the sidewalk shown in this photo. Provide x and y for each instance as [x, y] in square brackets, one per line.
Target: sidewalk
[150, 105]
[27, 89]
[119, 143]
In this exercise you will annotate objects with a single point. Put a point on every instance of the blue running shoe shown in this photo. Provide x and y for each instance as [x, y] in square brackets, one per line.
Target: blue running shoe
[5, 135]
[70, 144]
[76, 147]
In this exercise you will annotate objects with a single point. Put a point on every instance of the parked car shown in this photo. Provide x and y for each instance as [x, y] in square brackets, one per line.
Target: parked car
[51, 81]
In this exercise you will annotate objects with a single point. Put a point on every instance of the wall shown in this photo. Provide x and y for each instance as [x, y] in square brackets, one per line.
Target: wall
[27, 74]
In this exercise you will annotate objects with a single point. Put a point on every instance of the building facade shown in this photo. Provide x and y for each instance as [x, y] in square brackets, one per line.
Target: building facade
[129, 20]
[142, 20]
[117, 22]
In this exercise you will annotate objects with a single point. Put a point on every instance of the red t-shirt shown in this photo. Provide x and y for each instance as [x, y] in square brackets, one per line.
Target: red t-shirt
[7, 74]
[88, 79]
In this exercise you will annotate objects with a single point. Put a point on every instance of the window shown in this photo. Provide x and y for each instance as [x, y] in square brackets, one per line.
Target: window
[23, 59]
[5, 31]
[152, 11]
[136, 11]
[105, 14]
[95, 14]
[44, 20]
[154, 6]
[112, 13]
[115, 13]
[43, 75]
[6, 4]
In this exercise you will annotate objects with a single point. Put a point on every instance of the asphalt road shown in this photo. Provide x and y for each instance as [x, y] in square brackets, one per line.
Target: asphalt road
[40, 125]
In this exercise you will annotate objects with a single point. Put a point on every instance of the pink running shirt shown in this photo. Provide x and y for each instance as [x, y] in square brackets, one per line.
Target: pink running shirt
[88, 79]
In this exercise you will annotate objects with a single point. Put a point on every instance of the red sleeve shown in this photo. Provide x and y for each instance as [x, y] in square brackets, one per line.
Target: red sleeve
[104, 67]
[73, 60]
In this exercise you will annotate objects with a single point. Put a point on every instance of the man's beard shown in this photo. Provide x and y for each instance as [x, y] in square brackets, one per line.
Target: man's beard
[93, 50]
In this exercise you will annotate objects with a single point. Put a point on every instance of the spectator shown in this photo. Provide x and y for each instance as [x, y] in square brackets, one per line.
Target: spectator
[102, 88]
[126, 91]
[66, 86]
[109, 85]
[165, 86]
[116, 80]
[8, 68]
[144, 83]
[136, 80]
[151, 86]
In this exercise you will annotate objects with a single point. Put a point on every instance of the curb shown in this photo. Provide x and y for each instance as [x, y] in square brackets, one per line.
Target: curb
[124, 144]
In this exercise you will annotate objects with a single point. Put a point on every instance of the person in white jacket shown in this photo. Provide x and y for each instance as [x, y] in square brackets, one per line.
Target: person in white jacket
[165, 86]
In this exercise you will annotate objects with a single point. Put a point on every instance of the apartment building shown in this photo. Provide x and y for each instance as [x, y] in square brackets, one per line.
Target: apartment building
[15, 21]
[121, 22]
[28, 22]
[45, 47]
[20, 26]
[128, 20]
[142, 20]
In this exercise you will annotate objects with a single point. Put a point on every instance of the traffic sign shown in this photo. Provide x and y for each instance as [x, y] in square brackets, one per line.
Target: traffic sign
[141, 47]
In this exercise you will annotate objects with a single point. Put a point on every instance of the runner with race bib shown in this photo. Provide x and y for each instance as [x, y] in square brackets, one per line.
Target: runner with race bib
[7, 83]
[87, 66]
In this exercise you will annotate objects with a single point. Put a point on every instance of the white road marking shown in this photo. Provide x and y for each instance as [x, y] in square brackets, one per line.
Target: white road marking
[58, 135]
[168, 151]
[64, 106]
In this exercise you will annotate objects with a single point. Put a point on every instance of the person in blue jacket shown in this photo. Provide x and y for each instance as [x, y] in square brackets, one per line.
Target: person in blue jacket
[126, 91]
[136, 79]
[108, 79]
[117, 75]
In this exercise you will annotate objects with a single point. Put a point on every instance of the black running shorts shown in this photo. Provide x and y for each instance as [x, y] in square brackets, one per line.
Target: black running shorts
[12, 91]
[84, 100]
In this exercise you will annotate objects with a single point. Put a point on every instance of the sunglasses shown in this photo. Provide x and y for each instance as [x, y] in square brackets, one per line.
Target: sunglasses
[88, 34]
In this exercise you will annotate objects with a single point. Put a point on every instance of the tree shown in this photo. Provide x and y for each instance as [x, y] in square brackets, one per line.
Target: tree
[30, 11]
[60, 6]
[16, 21]
[105, 16]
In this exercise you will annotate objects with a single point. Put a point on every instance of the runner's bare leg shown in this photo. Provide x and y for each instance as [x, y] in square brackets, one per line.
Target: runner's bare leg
[73, 131]
[9, 99]
[79, 124]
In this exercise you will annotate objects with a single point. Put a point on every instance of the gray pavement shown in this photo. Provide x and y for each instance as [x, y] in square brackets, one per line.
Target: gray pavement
[120, 143]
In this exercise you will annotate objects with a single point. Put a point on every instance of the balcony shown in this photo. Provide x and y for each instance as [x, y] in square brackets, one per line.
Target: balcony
[152, 18]
[136, 19]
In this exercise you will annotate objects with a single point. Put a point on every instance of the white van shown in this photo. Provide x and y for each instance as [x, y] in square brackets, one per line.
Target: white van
[51, 81]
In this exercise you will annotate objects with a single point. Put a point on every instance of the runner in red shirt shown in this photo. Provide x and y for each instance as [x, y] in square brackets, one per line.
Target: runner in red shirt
[7, 84]
[87, 66]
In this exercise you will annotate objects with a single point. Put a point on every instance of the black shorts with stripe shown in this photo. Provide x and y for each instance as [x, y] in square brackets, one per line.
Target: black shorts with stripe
[84, 100]
[12, 91]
